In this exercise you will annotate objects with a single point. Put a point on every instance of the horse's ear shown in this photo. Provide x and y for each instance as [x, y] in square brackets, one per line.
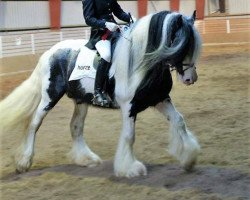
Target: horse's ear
[193, 18]
[179, 21]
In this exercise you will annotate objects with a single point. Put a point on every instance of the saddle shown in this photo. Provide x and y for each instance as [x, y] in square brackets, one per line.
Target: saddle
[85, 67]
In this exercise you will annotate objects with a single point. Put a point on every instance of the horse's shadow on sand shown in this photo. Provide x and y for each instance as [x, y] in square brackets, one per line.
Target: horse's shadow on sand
[227, 182]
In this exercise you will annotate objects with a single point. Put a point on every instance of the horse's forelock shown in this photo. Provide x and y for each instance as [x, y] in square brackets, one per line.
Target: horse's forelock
[181, 40]
[191, 42]
[184, 39]
[162, 27]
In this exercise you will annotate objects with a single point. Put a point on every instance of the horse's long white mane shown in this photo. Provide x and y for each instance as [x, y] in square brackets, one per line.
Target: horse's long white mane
[133, 47]
[131, 60]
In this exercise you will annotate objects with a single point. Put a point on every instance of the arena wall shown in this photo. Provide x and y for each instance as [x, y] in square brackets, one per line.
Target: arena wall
[16, 15]
[21, 15]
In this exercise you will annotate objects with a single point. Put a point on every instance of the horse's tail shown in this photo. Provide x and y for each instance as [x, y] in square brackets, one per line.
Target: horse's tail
[17, 109]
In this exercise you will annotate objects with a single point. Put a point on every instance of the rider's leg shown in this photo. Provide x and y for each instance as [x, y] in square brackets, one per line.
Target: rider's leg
[104, 49]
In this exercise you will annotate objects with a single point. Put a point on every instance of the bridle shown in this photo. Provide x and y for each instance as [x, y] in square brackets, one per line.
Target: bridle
[189, 65]
[122, 29]
[126, 27]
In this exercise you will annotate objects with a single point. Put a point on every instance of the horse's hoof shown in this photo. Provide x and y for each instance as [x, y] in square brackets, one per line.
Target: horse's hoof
[87, 160]
[23, 164]
[136, 169]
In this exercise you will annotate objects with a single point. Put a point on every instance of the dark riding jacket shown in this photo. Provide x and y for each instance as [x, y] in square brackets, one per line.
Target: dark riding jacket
[96, 13]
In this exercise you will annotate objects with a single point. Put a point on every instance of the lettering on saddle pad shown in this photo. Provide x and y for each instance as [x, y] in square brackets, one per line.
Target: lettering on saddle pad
[83, 67]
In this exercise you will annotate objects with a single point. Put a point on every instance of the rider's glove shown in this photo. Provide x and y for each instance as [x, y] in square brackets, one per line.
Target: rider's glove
[111, 26]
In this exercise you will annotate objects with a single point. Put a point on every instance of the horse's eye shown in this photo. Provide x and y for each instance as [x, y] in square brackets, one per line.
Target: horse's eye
[180, 70]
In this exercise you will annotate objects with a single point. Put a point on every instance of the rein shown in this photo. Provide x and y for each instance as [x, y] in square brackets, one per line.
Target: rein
[125, 37]
[122, 30]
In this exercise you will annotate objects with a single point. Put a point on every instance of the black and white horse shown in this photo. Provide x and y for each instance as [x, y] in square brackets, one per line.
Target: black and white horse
[143, 57]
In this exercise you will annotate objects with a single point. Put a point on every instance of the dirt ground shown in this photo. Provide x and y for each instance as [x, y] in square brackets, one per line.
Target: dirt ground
[216, 109]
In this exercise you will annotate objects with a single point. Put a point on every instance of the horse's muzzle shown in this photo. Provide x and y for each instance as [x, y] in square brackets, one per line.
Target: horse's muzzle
[189, 81]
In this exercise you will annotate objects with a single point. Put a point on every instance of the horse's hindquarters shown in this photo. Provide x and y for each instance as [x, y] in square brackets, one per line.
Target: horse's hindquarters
[88, 84]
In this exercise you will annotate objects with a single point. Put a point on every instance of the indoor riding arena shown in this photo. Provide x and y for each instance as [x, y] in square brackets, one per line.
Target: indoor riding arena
[216, 108]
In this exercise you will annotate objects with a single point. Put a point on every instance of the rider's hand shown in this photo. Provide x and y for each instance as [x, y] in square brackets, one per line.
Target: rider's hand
[111, 26]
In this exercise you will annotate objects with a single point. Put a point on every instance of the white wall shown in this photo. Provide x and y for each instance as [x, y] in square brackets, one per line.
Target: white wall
[156, 6]
[187, 7]
[35, 14]
[24, 14]
[236, 7]
[71, 13]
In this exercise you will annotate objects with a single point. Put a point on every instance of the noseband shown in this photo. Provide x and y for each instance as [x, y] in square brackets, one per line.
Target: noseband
[172, 68]
[189, 66]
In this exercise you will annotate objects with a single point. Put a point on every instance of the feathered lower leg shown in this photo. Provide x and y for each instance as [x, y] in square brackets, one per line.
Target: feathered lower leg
[183, 144]
[81, 153]
[125, 163]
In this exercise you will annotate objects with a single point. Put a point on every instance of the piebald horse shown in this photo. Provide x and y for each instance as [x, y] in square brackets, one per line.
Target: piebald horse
[142, 61]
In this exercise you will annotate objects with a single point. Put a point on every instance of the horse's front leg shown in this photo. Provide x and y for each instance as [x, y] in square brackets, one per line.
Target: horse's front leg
[125, 163]
[183, 145]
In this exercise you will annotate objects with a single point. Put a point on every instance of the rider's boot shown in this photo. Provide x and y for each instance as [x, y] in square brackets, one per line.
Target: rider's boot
[100, 97]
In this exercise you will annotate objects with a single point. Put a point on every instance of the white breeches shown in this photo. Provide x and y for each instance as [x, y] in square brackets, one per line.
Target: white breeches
[104, 49]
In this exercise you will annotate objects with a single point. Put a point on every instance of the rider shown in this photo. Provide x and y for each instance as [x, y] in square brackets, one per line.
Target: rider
[99, 15]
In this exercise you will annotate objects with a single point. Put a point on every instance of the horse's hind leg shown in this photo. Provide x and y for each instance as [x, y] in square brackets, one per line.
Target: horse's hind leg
[25, 152]
[183, 145]
[81, 153]
[51, 93]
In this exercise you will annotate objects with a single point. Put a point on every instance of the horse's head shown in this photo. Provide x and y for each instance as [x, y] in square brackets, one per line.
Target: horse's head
[186, 37]
[165, 37]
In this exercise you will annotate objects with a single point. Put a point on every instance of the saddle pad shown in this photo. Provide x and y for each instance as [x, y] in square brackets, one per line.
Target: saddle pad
[84, 65]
